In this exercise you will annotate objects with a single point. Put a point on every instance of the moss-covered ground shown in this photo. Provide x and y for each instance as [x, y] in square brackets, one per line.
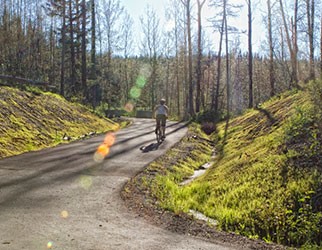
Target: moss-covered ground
[33, 120]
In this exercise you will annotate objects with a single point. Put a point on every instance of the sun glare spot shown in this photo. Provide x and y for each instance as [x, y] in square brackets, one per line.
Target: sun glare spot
[103, 149]
[169, 26]
[49, 245]
[64, 214]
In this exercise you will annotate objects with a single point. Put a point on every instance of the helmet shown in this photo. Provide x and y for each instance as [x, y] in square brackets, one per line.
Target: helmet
[162, 101]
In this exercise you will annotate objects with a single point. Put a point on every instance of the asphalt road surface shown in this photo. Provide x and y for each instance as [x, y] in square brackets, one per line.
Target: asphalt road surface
[60, 198]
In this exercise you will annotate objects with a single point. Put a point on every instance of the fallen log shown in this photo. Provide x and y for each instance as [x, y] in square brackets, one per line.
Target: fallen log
[14, 79]
[23, 80]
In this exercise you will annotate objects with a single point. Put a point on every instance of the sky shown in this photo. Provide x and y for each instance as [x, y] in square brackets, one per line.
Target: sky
[136, 8]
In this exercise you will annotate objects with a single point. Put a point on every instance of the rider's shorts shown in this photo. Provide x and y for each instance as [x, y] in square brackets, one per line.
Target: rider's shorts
[161, 119]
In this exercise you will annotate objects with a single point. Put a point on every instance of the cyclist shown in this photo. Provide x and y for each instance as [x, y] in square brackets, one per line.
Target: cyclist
[161, 114]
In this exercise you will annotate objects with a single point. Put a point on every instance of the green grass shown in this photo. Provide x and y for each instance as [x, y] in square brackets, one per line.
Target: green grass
[264, 177]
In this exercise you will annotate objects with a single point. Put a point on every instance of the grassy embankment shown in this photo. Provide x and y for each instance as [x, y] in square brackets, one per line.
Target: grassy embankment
[266, 179]
[33, 120]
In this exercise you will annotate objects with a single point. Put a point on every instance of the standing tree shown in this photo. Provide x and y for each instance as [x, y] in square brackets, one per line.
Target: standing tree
[220, 22]
[271, 49]
[63, 50]
[112, 12]
[220, 25]
[150, 44]
[321, 48]
[199, 75]
[127, 43]
[250, 55]
[71, 41]
[310, 13]
[84, 66]
[175, 13]
[227, 58]
[63, 14]
[291, 40]
[187, 6]
[93, 41]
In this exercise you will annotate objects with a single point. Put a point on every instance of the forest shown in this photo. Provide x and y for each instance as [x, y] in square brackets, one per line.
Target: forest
[86, 50]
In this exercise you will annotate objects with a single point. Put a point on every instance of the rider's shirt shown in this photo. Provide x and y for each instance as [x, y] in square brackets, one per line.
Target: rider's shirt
[161, 110]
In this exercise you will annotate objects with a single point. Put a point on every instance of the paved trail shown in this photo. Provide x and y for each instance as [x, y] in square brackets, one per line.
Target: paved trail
[60, 198]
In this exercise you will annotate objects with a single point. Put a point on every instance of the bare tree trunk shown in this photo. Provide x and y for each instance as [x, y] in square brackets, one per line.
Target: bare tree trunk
[63, 51]
[72, 49]
[295, 45]
[52, 75]
[199, 76]
[177, 69]
[191, 108]
[152, 38]
[271, 50]
[292, 44]
[250, 55]
[93, 41]
[84, 66]
[215, 98]
[78, 30]
[310, 11]
[190, 74]
[184, 54]
[127, 39]
[227, 60]
[321, 50]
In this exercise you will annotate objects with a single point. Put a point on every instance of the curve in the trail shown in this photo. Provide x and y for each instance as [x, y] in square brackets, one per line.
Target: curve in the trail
[60, 198]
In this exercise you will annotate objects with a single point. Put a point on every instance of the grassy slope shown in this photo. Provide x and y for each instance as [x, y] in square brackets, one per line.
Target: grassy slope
[267, 170]
[35, 120]
[254, 188]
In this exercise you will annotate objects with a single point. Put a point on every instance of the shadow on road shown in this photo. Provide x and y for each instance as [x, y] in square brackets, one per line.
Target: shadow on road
[66, 162]
[151, 147]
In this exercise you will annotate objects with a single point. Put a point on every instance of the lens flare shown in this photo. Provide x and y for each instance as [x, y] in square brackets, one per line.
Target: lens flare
[86, 182]
[49, 245]
[129, 107]
[101, 152]
[64, 214]
[103, 149]
[135, 92]
[98, 158]
[140, 82]
[109, 139]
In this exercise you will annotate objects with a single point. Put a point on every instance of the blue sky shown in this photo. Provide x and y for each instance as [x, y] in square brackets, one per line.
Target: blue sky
[136, 8]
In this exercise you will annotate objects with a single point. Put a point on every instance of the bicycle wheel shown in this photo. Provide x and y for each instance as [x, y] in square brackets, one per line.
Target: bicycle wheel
[159, 135]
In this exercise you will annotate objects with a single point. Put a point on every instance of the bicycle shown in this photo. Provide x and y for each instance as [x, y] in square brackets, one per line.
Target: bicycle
[158, 134]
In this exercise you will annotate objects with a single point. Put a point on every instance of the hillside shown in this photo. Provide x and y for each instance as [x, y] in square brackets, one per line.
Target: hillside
[35, 120]
[264, 182]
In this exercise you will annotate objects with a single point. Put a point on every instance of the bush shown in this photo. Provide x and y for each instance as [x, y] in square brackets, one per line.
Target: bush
[208, 127]
[208, 116]
[208, 120]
